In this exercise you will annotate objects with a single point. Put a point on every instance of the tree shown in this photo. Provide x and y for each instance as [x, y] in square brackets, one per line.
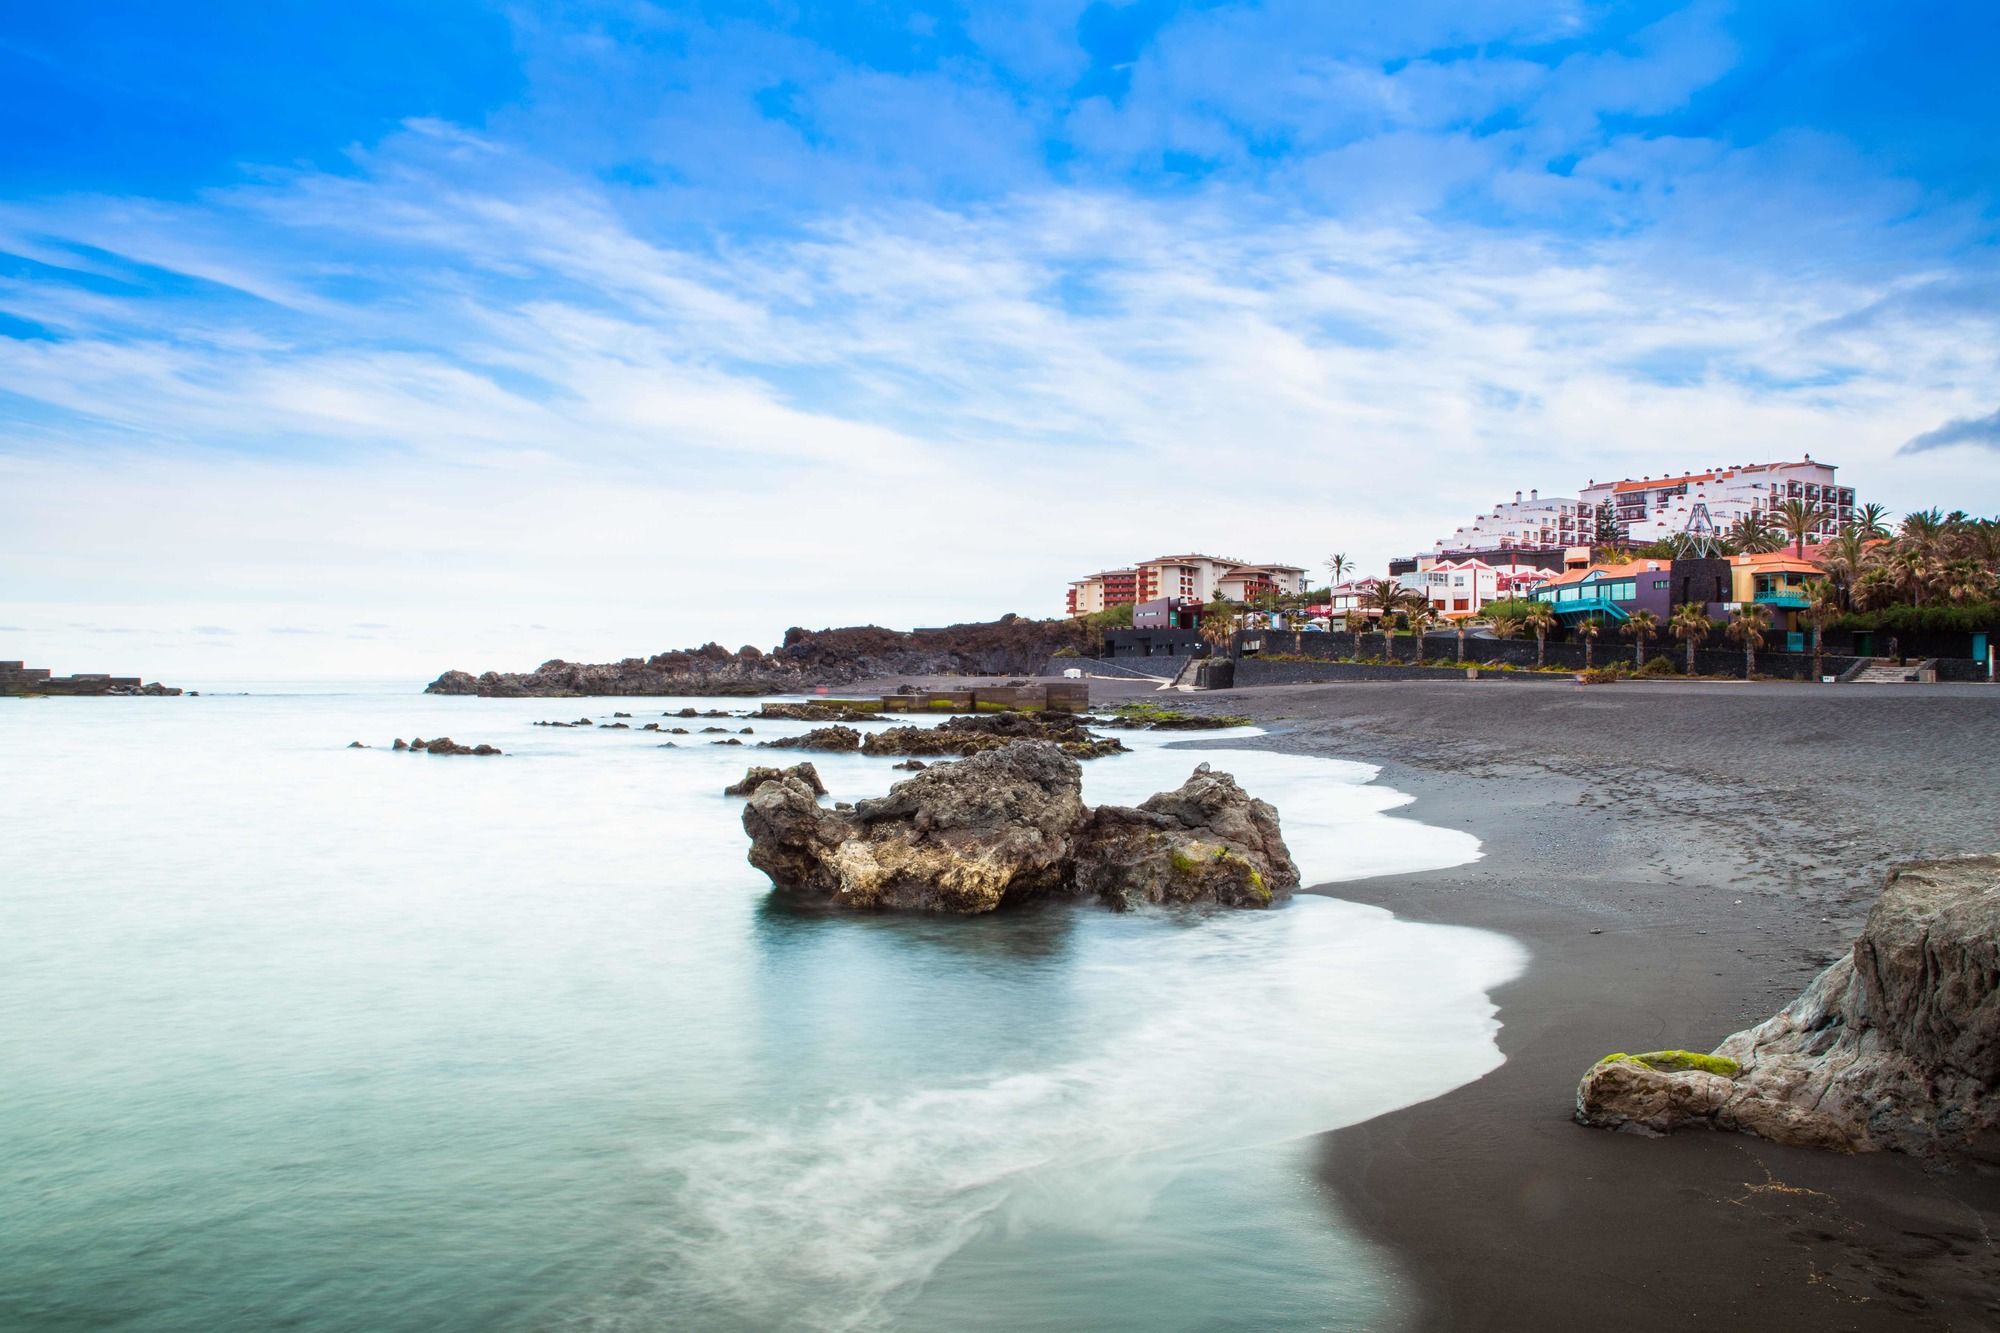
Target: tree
[1690, 624]
[1218, 622]
[1541, 618]
[1506, 627]
[1336, 567]
[1420, 615]
[1844, 557]
[1747, 627]
[1588, 629]
[1751, 534]
[1609, 533]
[1388, 597]
[1459, 627]
[1798, 520]
[1868, 522]
[1640, 628]
[1822, 600]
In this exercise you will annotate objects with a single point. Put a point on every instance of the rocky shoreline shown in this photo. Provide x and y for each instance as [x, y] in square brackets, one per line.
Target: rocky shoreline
[807, 659]
[1672, 890]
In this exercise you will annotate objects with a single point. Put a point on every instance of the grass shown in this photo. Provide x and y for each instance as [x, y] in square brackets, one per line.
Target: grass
[1151, 712]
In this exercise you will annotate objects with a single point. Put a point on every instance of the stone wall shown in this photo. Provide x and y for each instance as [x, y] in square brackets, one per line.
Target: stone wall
[1723, 659]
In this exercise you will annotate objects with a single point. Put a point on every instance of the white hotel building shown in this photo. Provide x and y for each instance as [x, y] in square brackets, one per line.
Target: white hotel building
[1652, 509]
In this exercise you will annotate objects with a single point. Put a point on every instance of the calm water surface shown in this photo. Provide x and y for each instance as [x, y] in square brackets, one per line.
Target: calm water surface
[299, 1036]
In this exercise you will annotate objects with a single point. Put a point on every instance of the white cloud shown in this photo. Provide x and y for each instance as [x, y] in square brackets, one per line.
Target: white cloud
[463, 402]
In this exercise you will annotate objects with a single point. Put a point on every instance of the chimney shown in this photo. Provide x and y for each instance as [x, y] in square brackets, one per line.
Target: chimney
[1517, 497]
[1534, 495]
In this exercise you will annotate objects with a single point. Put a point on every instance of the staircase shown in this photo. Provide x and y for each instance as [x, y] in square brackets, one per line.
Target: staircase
[1884, 671]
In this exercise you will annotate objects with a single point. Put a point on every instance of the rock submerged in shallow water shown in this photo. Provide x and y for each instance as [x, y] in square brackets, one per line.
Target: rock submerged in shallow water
[831, 739]
[1895, 1047]
[1009, 825]
[1208, 841]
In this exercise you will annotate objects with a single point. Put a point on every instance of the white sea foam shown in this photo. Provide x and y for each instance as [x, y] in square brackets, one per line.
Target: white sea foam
[1209, 1035]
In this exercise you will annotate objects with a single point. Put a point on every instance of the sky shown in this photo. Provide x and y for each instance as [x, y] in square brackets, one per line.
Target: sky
[381, 339]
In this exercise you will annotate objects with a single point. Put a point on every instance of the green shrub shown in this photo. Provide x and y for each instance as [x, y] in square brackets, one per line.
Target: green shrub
[1659, 665]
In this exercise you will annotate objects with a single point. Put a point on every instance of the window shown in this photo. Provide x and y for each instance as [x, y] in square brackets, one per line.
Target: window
[1659, 585]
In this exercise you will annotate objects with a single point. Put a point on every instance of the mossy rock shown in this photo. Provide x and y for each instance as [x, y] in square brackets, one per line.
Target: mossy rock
[1675, 1062]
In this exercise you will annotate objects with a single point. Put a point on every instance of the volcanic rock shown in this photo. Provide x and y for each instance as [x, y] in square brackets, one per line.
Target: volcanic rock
[835, 738]
[1207, 841]
[998, 828]
[1894, 1047]
[970, 734]
[760, 775]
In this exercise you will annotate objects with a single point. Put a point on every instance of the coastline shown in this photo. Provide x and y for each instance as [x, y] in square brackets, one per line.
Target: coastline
[1670, 890]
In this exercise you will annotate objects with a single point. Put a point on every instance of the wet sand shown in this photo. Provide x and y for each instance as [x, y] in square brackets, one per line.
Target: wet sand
[1680, 859]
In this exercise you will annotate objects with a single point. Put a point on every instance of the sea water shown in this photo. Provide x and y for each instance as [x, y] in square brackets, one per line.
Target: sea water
[294, 1035]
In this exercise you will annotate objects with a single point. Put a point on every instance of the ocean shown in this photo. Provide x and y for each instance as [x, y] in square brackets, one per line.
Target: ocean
[299, 1036]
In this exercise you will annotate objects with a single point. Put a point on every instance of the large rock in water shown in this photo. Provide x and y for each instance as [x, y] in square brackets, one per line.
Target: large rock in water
[1008, 825]
[998, 828]
[1208, 841]
[1896, 1046]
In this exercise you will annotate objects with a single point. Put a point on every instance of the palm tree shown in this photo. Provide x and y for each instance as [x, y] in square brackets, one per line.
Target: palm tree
[1420, 615]
[1965, 579]
[1336, 566]
[1798, 520]
[1505, 627]
[1588, 629]
[1540, 618]
[1747, 627]
[1844, 557]
[1822, 601]
[1639, 628]
[1388, 597]
[1923, 531]
[1218, 623]
[1690, 624]
[1868, 522]
[1459, 627]
[1751, 533]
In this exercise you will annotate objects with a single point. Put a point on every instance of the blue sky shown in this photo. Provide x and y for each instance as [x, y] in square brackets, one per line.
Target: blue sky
[387, 337]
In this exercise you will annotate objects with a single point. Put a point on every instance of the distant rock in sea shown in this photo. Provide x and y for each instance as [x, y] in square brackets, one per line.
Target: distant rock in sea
[1896, 1046]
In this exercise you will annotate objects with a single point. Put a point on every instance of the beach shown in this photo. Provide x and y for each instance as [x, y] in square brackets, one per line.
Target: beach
[1680, 859]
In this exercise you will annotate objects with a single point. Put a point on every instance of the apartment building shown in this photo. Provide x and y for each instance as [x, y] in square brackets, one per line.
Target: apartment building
[1531, 524]
[1183, 578]
[1651, 509]
[1111, 587]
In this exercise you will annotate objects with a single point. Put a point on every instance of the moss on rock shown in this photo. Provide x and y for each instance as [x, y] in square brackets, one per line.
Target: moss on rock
[1674, 1062]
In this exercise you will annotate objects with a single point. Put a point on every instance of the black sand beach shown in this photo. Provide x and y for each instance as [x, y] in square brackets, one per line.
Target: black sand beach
[1680, 858]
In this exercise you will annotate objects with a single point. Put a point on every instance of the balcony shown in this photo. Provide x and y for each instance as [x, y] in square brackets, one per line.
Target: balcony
[1786, 599]
[1584, 607]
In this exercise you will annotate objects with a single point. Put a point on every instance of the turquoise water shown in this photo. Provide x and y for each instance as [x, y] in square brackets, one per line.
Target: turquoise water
[299, 1036]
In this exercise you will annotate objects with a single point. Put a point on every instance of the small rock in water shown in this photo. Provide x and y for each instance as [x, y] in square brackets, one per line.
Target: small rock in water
[400, 744]
[356, 745]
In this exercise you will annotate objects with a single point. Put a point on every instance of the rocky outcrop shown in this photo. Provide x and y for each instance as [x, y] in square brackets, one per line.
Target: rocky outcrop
[807, 659]
[995, 829]
[1894, 1047]
[1008, 825]
[812, 712]
[835, 739]
[974, 733]
[443, 745]
[760, 775]
[1208, 841]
